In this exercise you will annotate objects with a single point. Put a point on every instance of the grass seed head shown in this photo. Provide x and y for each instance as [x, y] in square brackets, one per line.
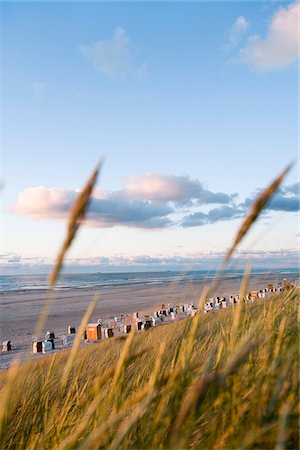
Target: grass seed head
[257, 207]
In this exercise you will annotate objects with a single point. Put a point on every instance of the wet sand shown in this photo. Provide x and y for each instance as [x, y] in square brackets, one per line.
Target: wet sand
[19, 311]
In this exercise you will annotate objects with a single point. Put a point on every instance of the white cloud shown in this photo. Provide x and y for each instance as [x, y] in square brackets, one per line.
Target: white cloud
[179, 189]
[280, 47]
[114, 57]
[41, 202]
[162, 188]
[238, 29]
[38, 89]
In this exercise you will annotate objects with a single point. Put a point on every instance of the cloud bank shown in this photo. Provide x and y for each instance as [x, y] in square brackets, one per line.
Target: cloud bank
[14, 264]
[150, 201]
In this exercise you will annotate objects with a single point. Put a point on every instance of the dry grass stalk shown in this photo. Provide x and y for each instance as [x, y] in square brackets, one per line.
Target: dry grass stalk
[142, 407]
[110, 408]
[118, 379]
[6, 393]
[281, 441]
[259, 204]
[39, 416]
[76, 217]
[97, 398]
[203, 383]
[278, 342]
[124, 359]
[237, 312]
[77, 342]
[244, 284]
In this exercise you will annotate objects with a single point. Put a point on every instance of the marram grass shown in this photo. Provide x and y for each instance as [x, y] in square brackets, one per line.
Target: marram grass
[217, 387]
[261, 201]
[225, 380]
[75, 219]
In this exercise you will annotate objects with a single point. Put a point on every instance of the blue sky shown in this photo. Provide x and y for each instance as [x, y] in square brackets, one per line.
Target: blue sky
[193, 100]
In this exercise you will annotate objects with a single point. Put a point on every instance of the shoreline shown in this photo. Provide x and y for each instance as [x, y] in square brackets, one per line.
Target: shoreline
[178, 277]
[20, 311]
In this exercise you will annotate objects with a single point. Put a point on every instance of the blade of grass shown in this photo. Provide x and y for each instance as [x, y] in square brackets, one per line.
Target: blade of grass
[70, 441]
[75, 219]
[203, 383]
[239, 308]
[77, 342]
[281, 441]
[259, 204]
[6, 393]
[144, 405]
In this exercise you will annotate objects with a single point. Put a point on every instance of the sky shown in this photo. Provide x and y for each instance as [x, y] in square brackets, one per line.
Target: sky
[192, 104]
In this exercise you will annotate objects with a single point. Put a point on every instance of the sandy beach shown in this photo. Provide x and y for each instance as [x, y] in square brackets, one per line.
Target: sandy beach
[19, 310]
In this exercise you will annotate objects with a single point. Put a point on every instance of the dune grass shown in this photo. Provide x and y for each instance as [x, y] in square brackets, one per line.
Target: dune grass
[226, 380]
[225, 385]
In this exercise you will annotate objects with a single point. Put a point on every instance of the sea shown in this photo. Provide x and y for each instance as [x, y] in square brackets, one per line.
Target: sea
[27, 282]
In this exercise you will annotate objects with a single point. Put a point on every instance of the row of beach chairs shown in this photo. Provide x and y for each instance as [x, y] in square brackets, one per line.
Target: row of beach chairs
[217, 303]
[123, 324]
